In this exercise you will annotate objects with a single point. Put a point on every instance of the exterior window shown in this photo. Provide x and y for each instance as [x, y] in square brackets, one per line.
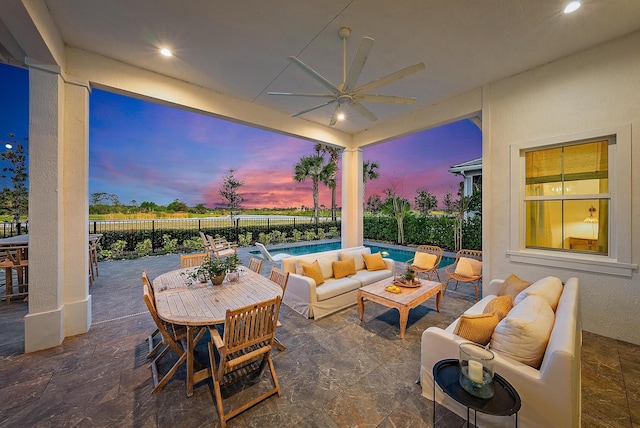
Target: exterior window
[567, 197]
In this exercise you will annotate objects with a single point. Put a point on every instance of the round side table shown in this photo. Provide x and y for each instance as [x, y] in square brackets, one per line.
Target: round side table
[505, 401]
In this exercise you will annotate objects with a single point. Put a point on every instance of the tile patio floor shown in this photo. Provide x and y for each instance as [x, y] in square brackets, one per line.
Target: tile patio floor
[336, 372]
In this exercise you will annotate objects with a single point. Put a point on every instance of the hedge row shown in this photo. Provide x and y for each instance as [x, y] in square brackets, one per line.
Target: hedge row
[418, 230]
[421, 230]
[132, 237]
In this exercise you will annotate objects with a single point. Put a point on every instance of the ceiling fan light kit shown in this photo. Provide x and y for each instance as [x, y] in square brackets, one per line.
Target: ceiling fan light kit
[347, 93]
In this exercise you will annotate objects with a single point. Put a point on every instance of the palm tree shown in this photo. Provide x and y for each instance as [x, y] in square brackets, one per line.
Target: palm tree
[369, 172]
[313, 167]
[334, 157]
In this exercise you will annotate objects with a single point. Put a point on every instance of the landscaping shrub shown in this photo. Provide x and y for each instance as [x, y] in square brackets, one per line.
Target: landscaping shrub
[245, 239]
[115, 251]
[144, 248]
[192, 245]
[169, 244]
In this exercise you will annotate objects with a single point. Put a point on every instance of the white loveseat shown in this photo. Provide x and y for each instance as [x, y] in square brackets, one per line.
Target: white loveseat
[550, 395]
[313, 301]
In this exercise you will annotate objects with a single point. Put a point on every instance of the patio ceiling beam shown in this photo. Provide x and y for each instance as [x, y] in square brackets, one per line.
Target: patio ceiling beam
[464, 106]
[116, 76]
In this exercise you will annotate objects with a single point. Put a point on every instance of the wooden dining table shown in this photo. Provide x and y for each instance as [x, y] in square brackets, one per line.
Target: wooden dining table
[14, 255]
[180, 300]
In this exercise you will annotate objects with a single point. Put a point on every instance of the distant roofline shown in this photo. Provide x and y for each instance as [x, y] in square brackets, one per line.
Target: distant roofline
[470, 165]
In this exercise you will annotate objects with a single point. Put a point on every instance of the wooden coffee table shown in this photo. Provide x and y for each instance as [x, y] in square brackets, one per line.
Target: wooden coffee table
[407, 299]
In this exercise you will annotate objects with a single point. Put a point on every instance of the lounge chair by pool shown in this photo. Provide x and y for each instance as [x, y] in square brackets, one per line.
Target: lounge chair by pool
[267, 256]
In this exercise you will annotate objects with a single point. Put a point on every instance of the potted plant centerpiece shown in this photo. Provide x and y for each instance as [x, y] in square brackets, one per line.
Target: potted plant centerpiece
[233, 263]
[409, 275]
[211, 268]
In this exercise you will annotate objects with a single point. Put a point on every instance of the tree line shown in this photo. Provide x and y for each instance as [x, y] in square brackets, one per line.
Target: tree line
[14, 202]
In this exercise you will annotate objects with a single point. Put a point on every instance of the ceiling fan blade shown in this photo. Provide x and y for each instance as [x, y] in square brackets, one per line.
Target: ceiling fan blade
[363, 111]
[302, 95]
[384, 99]
[313, 108]
[315, 75]
[389, 78]
[358, 63]
[334, 117]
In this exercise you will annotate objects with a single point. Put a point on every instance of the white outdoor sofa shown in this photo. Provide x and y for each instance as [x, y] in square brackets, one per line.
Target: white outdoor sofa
[550, 395]
[304, 297]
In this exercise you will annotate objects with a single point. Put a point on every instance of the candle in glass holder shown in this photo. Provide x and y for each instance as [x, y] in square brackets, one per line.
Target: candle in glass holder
[475, 371]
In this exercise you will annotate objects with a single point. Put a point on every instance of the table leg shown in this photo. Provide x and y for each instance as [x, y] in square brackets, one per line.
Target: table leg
[434, 402]
[404, 317]
[361, 305]
[9, 283]
[190, 346]
[438, 297]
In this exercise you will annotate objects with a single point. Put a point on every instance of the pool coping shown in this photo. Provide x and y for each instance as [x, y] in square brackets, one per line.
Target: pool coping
[409, 248]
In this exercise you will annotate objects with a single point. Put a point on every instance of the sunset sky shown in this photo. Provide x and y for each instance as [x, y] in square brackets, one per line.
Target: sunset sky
[143, 151]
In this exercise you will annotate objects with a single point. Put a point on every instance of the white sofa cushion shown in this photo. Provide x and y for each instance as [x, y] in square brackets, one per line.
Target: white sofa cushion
[335, 287]
[369, 277]
[550, 288]
[523, 335]
[356, 255]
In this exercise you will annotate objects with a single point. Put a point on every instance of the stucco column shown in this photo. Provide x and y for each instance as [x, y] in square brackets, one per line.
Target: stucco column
[59, 304]
[75, 196]
[352, 198]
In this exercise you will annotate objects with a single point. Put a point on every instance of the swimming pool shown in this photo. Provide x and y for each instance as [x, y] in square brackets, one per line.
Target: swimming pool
[396, 254]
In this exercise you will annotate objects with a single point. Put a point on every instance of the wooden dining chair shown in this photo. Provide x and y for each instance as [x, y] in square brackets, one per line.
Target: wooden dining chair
[192, 260]
[205, 242]
[15, 259]
[173, 337]
[245, 350]
[426, 260]
[466, 268]
[281, 278]
[255, 264]
[222, 248]
[153, 349]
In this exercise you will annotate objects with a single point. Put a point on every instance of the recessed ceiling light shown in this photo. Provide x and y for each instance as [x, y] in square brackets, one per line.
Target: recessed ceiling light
[572, 6]
[8, 146]
[165, 52]
[341, 116]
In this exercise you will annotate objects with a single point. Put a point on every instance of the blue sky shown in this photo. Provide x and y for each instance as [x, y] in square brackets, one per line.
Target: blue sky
[143, 151]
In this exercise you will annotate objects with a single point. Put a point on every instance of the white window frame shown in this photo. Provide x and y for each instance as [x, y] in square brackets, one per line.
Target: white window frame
[618, 261]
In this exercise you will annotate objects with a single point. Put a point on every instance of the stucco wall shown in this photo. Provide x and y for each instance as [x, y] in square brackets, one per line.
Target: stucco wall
[598, 88]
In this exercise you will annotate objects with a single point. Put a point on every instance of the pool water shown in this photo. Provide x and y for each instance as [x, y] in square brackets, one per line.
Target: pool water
[395, 254]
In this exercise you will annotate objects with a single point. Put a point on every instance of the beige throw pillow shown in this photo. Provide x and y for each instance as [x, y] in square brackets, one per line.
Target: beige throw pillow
[549, 288]
[469, 267]
[477, 328]
[512, 286]
[501, 305]
[524, 334]
[424, 260]
[356, 255]
[314, 272]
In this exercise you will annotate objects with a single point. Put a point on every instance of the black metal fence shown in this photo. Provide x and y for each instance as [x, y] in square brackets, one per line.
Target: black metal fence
[134, 231]
[10, 229]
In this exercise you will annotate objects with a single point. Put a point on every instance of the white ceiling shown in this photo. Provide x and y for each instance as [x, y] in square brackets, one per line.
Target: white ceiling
[240, 48]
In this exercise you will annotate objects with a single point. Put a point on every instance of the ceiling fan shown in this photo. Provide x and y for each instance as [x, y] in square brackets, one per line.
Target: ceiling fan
[347, 93]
